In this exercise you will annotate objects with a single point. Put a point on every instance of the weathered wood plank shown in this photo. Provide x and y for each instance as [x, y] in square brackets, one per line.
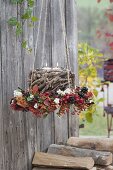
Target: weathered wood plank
[44, 42]
[58, 161]
[71, 26]
[9, 80]
[58, 56]
[99, 157]
[1, 118]
[102, 144]
[22, 133]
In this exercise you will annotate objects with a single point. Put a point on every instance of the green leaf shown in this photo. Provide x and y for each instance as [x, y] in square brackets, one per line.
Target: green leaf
[12, 21]
[29, 99]
[91, 109]
[24, 43]
[27, 14]
[95, 92]
[100, 100]
[31, 3]
[20, 1]
[18, 29]
[89, 117]
[30, 50]
[34, 19]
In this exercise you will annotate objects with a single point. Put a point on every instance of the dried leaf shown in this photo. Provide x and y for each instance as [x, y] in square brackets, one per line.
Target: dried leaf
[35, 89]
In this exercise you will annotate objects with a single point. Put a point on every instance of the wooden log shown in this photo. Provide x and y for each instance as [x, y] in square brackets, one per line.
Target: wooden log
[99, 157]
[100, 144]
[105, 167]
[39, 168]
[58, 161]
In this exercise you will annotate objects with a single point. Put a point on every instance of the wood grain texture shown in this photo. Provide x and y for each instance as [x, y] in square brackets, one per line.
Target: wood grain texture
[21, 134]
[102, 144]
[99, 157]
[37, 168]
[58, 161]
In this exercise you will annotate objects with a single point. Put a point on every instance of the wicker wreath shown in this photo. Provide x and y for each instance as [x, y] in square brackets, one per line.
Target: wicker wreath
[51, 80]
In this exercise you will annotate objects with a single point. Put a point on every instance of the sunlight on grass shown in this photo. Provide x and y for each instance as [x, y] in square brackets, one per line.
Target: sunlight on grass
[97, 128]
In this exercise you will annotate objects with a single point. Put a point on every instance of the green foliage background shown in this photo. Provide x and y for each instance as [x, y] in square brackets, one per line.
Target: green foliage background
[89, 60]
[93, 3]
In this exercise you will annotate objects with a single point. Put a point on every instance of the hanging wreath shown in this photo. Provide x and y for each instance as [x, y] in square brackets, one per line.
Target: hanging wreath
[49, 93]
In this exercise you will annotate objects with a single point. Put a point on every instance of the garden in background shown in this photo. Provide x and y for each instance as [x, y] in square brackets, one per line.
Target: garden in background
[95, 46]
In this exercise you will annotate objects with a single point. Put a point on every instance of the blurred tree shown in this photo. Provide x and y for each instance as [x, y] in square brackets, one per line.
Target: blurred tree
[89, 60]
[87, 24]
[104, 32]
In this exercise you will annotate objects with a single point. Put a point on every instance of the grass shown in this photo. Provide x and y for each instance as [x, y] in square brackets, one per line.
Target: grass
[97, 128]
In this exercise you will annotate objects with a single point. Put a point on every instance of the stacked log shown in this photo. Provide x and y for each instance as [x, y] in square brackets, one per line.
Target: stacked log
[59, 161]
[96, 144]
[105, 168]
[79, 153]
[99, 157]
[100, 144]
[42, 168]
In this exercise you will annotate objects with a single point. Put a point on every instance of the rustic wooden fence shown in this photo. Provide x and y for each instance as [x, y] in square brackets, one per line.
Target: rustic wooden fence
[22, 133]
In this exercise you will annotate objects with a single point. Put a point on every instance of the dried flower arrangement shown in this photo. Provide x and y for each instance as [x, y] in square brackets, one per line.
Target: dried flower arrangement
[43, 103]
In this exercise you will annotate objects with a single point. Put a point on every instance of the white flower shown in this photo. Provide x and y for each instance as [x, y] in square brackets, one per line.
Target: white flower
[60, 92]
[17, 93]
[31, 96]
[36, 106]
[56, 100]
[67, 91]
[12, 101]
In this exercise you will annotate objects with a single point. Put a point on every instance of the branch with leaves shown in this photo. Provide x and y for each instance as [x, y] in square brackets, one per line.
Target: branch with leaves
[27, 15]
[89, 60]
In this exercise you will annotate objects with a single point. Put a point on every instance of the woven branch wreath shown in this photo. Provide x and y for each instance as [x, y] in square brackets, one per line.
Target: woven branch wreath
[48, 92]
